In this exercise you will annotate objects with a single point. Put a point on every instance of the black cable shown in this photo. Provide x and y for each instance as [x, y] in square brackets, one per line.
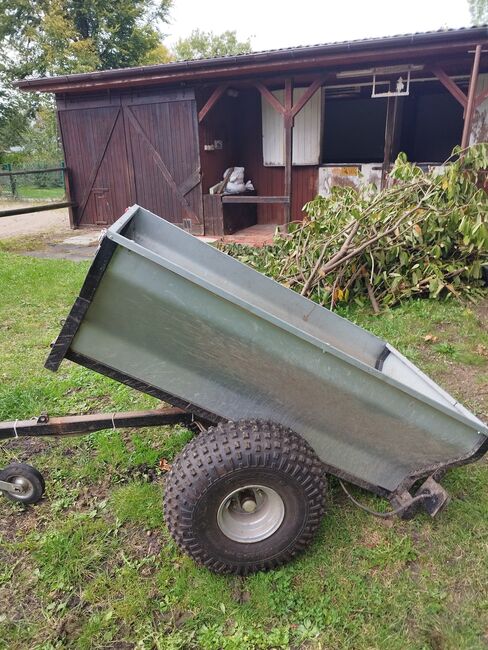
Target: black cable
[384, 515]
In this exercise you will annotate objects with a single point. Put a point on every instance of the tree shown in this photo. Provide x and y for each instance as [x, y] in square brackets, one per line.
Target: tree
[48, 37]
[205, 45]
[15, 115]
[479, 11]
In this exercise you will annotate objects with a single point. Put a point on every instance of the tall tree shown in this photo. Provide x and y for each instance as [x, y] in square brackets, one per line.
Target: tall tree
[46, 37]
[205, 45]
[479, 11]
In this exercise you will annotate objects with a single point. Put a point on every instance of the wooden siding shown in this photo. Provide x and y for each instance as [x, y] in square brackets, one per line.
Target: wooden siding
[218, 124]
[269, 181]
[139, 147]
[96, 155]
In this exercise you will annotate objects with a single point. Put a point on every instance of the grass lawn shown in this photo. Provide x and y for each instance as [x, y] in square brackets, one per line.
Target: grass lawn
[92, 565]
[32, 192]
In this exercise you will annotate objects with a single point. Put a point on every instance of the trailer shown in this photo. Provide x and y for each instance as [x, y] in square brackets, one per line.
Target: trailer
[281, 391]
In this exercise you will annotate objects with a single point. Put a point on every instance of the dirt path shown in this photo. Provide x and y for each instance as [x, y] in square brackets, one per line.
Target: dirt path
[33, 222]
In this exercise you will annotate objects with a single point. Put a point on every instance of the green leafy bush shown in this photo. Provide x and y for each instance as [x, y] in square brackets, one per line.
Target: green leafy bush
[424, 235]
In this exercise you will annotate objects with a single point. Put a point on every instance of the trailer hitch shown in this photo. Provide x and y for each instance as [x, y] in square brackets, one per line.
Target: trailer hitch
[430, 496]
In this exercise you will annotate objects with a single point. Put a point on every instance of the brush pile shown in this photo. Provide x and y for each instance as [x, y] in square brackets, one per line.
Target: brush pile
[425, 235]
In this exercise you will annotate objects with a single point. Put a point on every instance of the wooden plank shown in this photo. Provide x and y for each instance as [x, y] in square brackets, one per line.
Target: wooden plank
[68, 196]
[213, 215]
[212, 100]
[270, 98]
[470, 106]
[308, 94]
[129, 159]
[451, 85]
[96, 167]
[288, 124]
[390, 129]
[36, 208]
[326, 58]
[161, 166]
[229, 198]
[191, 182]
[22, 172]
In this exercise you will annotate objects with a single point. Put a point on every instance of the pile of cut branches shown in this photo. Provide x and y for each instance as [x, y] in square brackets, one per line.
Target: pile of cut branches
[424, 235]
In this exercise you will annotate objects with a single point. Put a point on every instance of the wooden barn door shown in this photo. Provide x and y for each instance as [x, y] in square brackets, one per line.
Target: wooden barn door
[164, 159]
[96, 156]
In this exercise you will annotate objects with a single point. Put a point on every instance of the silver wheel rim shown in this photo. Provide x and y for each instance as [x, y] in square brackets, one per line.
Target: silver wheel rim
[251, 513]
[24, 488]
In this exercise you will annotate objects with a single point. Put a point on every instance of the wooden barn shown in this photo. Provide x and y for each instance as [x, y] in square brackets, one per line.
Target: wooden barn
[299, 121]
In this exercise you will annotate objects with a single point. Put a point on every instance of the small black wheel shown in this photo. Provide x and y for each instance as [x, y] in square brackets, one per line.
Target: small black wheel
[28, 482]
[245, 496]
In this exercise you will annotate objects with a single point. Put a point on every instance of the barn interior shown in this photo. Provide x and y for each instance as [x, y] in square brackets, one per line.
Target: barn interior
[342, 136]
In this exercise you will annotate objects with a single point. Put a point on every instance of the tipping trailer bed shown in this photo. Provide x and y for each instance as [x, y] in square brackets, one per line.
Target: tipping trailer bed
[171, 316]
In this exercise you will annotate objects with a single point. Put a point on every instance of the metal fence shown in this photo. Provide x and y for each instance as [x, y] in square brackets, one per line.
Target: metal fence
[42, 182]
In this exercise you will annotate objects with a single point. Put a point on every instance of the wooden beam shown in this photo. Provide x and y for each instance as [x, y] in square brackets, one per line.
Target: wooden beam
[390, 132]
[308, 94]
[229, 198]
[270, 98]
[36, 208]
[288, 120]
[23, 172]
[451, 86]
[212, 100]
[468, 117]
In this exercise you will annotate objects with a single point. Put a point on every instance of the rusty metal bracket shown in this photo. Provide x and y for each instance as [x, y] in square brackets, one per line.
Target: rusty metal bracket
[437, 499]
[430, 496]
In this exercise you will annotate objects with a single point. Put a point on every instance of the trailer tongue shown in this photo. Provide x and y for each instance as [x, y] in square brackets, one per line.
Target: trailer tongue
[292, 389]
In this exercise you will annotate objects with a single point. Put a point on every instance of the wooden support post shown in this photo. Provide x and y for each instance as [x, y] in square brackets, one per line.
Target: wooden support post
[212, 100]
[69, 198]
[288, 124]
[390, 133]
[468, 117]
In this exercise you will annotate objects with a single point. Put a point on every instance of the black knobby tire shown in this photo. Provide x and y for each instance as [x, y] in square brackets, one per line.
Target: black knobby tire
[28, 478]
[227, 458]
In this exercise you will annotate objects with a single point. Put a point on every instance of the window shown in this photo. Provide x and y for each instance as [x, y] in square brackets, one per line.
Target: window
[354, 129]
[431, 125]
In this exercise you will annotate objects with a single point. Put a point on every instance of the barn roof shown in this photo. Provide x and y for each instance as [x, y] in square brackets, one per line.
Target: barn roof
[432, 44]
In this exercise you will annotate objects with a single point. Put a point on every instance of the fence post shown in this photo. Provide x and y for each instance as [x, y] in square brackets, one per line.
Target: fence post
[67, 196]
[13, 182]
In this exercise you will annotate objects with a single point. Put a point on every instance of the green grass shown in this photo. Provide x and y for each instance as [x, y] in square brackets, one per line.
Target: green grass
[93, 566]
[32, 192]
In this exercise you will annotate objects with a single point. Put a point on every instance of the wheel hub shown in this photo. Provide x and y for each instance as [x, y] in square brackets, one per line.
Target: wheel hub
[251, 514]
[22, 487]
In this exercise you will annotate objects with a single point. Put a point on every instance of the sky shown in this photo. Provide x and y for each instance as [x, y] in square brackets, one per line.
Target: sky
[282, 23]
